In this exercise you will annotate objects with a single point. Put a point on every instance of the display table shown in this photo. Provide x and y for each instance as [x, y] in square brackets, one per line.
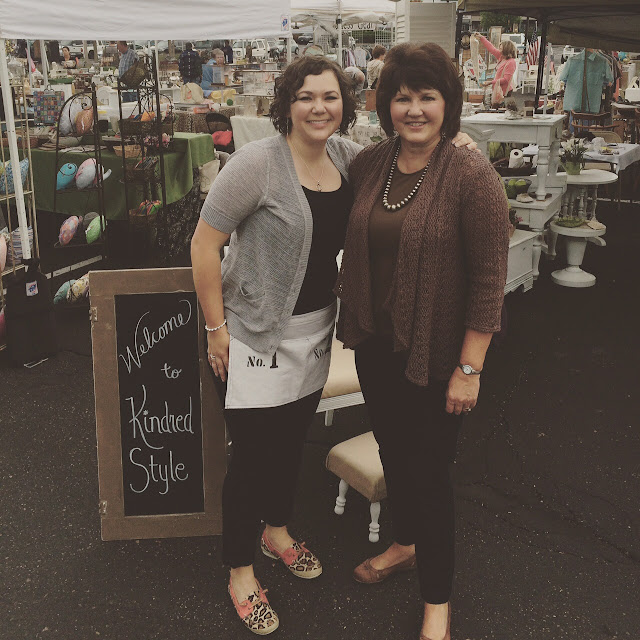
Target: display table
[249, 128]
[625, 154]
[576, 238]
[188, 151]
[581, 196]
[365, 133]
[545, 131]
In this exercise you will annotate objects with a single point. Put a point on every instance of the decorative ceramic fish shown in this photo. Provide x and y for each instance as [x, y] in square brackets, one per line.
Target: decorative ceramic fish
[6, 179]
[86, 176]
[68, 229]
[66, 174]
[93, 230]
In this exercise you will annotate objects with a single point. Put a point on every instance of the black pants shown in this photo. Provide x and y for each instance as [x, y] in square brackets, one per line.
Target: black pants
[417, 440]
[262, 477]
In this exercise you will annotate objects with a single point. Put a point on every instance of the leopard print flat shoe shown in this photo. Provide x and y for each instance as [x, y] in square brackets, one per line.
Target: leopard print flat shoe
[256, 612]
[297, 558]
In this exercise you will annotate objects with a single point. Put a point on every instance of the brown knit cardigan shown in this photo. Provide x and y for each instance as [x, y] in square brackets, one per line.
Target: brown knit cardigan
[452, 261]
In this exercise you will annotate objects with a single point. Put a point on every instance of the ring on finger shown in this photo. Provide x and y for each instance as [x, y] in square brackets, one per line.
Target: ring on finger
[467, 409]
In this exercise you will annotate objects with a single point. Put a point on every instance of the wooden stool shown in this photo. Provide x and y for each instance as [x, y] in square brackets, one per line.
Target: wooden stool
[357, 463]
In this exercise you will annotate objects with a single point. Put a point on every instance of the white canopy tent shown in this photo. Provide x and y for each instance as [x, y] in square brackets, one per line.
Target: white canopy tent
[328, 12]
[126, 20]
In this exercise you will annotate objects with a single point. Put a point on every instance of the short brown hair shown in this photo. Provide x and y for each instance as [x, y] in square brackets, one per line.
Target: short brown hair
[418, 67]
[508, 49]
[378, 51]
[293, 78]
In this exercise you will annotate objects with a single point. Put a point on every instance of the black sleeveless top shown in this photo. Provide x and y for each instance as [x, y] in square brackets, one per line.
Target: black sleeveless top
[330, 211]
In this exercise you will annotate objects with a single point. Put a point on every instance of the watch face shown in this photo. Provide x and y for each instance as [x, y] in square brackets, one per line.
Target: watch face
[467, 369]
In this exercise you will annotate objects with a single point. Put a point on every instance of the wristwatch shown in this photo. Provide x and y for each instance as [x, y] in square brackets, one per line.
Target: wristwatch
[468, 370]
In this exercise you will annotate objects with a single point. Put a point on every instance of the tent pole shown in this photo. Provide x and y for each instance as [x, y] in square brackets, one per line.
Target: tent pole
[45, 64]
[458, 35]
[541, 51]
[157, 60]
[339, 20]
[7, 99]
[289, 48]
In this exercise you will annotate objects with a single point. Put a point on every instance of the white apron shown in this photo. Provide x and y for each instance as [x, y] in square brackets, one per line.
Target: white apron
[299, 367]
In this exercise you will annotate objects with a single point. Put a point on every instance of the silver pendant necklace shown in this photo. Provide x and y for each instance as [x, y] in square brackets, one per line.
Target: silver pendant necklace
[317, 180]
[405, 200]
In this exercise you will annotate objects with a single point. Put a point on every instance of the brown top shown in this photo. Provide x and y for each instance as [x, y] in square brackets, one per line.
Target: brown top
[384, 241]
[452, 259]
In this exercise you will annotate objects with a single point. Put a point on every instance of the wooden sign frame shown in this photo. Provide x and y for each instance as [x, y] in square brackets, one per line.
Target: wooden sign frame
[115, 525]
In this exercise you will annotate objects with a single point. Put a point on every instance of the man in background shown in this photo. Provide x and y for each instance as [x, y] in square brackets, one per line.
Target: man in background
[127, 57]
[357, 77]
[190, 64]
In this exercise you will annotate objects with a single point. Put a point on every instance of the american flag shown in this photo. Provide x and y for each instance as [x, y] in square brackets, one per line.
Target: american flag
[533, 49]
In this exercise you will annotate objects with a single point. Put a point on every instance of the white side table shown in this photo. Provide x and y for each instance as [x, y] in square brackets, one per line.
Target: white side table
[577, 238]
[582, 190]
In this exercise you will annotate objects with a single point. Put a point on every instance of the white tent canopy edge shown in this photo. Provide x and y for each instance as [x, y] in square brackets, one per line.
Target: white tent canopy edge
[142, 20]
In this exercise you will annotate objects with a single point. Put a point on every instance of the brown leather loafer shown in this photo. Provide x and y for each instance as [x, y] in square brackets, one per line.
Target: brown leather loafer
[366, 574]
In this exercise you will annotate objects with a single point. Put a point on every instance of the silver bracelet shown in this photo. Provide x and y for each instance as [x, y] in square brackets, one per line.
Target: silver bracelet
[216, 328]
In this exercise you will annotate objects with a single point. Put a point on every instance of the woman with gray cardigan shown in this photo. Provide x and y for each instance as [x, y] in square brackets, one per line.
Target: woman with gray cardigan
[283, 203]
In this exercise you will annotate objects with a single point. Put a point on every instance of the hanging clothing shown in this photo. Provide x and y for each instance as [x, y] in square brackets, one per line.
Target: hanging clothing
[584, 79]
[361, 57]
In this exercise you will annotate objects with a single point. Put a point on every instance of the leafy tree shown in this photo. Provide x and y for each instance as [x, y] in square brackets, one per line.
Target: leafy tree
[504, 20]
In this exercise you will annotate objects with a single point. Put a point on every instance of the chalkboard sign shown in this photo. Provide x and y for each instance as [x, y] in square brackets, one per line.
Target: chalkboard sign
[157, 338]
[161, 440]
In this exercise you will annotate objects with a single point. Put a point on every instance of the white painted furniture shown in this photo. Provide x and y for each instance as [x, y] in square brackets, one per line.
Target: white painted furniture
[544, 131]
[581, 196]
[343, 387]
[520, 265]
[357, 463]
[576, 239]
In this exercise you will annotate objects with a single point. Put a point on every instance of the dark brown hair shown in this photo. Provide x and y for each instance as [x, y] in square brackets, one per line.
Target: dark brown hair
[418, 67]
[378, 51]
[292, 79]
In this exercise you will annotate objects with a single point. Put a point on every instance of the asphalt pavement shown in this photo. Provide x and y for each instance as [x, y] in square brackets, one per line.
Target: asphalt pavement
[546, 483]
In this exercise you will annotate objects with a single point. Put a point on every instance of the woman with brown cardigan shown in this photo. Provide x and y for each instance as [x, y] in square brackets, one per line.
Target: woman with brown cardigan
[421, 288]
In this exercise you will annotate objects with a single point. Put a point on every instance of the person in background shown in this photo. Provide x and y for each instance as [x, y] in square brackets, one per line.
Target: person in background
[421, 287]
[190, 64]
[357, 77]
[505, 69]
[217, 57]
[375, 65]
[127, 57]
[228, 52]
[67, 60]
[53, 51]
[248, 52]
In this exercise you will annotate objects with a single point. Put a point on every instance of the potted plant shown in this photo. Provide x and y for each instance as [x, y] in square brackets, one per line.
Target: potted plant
[572, 155]
[512, 112]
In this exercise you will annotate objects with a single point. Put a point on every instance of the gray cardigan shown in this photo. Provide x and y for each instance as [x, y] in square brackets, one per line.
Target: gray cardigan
[258, 199]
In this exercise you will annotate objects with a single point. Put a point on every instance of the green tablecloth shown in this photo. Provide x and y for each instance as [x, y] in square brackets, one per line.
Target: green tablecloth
[189, 150]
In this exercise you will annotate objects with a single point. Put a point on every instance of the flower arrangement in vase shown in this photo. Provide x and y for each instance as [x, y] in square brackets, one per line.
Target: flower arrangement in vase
[512, 112]
[572, 155]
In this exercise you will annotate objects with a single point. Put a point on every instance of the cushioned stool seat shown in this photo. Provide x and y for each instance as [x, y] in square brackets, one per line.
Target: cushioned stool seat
[357, 463]
[343, 387]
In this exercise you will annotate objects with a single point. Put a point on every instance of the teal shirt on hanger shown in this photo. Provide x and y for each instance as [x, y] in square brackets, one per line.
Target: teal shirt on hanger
[599, 74]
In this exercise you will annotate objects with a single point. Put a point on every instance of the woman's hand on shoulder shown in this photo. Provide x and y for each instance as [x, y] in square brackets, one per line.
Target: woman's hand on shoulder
[462, 392]
[465, 140]
[218, 352]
